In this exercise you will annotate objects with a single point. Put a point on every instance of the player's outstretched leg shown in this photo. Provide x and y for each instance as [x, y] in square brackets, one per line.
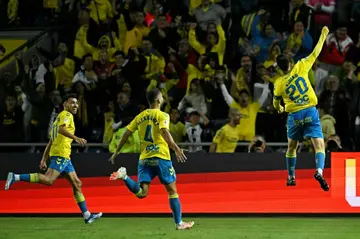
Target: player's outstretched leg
[319, 146]
[175, 206]
[291, 162]
[73, 179]
[46, 179]
[133, 186]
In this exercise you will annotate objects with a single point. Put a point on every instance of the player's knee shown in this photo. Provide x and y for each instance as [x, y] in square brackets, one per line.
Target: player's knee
[78, 184]
[318, 144]
[49, 181]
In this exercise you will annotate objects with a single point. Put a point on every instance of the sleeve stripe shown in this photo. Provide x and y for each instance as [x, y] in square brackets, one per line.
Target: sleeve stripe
[277, 97]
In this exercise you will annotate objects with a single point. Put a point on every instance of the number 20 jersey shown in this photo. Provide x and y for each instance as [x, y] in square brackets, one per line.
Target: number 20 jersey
[149, 123]
[295, 88]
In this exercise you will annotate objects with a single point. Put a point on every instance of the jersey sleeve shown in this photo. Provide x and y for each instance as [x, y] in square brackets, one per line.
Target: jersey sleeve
[277, 90]
[64, 118]
[164, 121]
[133, 125]
[218, 136]
[308, 62]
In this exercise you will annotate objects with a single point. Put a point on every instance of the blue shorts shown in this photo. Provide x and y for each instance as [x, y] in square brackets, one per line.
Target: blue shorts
[61, 164]
[304, 124]
[149, 168]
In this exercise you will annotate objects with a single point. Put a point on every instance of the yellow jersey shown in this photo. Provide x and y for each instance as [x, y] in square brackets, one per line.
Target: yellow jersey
[295, 87]
[178, 131]
[149, 123]
[246, 128]
[61, 145]
[226, 139]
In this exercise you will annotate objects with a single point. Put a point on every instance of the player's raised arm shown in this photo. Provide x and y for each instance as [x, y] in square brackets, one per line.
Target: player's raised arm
[309, 61]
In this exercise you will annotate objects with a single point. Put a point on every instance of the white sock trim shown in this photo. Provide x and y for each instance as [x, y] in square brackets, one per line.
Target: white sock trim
[320, 171]
[86, 214]
[17, 177]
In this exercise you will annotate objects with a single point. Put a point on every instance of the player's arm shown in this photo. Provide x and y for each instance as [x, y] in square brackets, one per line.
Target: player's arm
[180, 156]
[66, 133]
[277, 97]
[132, 127]
[309, 61]
[64, 121]
[123, 140]
[45, 156]
[216, 140]
[164, 123]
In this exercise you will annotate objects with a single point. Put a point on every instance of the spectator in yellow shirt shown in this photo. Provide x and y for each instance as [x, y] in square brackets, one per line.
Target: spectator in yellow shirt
[132, 145]
[100, 11]
[135, 36]
[177, 128]
[216, 42]
[226, 138]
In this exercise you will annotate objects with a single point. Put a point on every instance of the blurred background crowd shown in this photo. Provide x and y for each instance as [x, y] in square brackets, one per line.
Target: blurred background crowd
[206, 56]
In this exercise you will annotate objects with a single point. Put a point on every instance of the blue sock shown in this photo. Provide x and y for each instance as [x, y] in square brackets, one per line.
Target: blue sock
[80, 200]
[133, 186]
[25, 177]
[320, 161]
[290, 163]
[175, 207]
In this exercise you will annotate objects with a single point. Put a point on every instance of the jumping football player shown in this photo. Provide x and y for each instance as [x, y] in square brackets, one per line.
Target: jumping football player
[303, 118]
[153, 127]
[59, 150]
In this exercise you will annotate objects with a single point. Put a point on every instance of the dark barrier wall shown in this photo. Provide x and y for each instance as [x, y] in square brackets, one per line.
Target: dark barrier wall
[93, 164]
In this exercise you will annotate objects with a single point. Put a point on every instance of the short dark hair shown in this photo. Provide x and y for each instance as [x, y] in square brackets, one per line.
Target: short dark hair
[69, 96]
[152, 95]
[195, 113]
[86, 56]
[282, 62]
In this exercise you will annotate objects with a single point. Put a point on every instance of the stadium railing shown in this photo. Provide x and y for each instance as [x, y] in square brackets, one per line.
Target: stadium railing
[34, 147]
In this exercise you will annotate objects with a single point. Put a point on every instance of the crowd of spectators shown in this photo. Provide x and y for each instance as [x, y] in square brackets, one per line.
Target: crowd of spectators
[206, 56]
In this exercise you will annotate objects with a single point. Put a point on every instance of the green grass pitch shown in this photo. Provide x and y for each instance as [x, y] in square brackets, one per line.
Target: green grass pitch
[156, 228]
